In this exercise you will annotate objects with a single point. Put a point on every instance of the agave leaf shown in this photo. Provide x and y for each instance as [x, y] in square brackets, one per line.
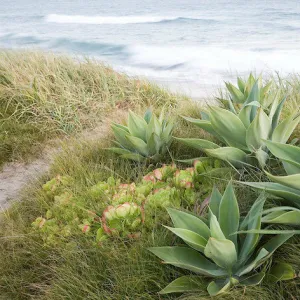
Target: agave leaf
[273, 244]
[275, 117]
[153, 127]
[241, 84]
[253, 220]
[261, 157]
[222, 252]
[148, 115]
[204, 115]
[254, 94]
[287, 153]
[134, 156]
[215, 200]
[285, 129]
[198, 143]
[229, 127]
[264, 93]
[166, 134]
[245, 115]
[252, 279]
[189, 259]
[188, 221]
[254, 263]
[203, 124]
[267, 231]
[249, 84]
[120, 135]
[292, 181]
[281, 271]
[236, 95]
[153, 144]
[235, 156]
[182, 284]
[278, 190]
[291, 168]
[256, 208]
[215, 229]
[190, 161]
[283, 217]
[137, 126]
[193, 239]
[216, 287]
[138, 144]
[231, 107]
[229, 214]
[120, 126]
[259, 129]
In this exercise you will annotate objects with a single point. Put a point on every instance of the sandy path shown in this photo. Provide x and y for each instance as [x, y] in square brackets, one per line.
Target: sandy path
[17, 175]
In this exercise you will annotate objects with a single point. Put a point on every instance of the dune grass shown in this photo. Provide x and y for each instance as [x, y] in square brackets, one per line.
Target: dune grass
[44, 96]
[81, 93]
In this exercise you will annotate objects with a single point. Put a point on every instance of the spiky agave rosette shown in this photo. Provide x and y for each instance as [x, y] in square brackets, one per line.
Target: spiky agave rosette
[216, 249]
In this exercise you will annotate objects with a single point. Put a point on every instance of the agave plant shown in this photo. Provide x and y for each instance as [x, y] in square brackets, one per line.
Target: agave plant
[215, 247]
[287, 187]
[143, 138]
[239, 95]
[244, 133]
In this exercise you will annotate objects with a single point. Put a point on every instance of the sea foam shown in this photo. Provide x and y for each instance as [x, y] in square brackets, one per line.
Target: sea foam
[79, 19]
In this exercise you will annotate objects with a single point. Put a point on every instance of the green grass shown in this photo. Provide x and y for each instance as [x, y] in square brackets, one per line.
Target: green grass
[81, 93]
[118, 270]
[44, 96]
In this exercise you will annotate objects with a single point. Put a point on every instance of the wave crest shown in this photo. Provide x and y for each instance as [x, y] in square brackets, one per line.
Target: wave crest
[79, 19]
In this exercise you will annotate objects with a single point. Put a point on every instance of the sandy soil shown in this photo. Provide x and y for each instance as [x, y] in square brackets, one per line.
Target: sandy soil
[17, 175]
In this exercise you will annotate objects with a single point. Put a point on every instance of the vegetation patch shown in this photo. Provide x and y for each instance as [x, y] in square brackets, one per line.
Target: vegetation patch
[84, 230]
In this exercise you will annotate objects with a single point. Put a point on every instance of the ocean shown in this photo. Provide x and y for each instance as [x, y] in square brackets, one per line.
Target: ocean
[187, 45]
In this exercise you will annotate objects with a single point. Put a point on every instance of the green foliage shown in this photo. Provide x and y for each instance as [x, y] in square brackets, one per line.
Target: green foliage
[218, 249]
[119, 210]
[146, 138]
[43, 96]
[244, 131]
[287, 187]
[240, 94]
